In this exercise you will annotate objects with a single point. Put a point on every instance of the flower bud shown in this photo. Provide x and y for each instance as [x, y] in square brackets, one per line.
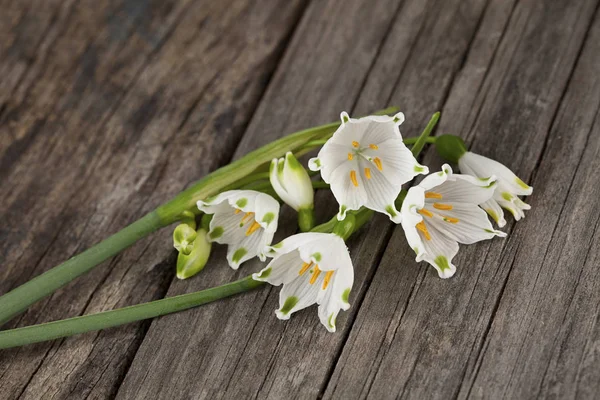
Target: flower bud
[183, 238]
[190, 264]
[291, 182]
[450, 147]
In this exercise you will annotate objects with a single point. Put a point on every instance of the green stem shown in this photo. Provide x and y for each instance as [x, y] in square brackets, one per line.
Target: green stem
[421, 140]
[413, 140]
[109, 319]
[17, 300]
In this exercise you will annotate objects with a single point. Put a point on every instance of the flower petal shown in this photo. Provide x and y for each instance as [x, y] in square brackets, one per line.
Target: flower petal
[466, 189]
[382, 192]
[336, 296]
[348, 188]
[414, 201]
[439, 252]
[281, 270]
[298, 294]
[495, 211]
[329, 252]
[481, 166]
[266, 210]
[465, 223]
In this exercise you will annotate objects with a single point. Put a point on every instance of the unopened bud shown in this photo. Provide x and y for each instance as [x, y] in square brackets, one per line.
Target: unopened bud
[194, 262]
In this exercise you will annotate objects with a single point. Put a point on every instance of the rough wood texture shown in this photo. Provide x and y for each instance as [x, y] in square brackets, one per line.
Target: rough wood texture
[108, 108]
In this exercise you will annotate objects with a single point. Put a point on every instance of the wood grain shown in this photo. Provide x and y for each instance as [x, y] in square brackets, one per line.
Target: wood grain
[266, 357]
[417, 336]
[136, 100]
[109, 108]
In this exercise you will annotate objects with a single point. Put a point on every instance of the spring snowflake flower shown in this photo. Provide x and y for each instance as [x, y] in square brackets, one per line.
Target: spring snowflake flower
[243, 219]
[443, 211]
[291, 182]
[313, 268]
[507, 191]
[366, 163]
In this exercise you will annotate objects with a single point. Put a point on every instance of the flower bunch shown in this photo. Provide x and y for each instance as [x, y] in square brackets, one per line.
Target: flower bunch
[365, 162]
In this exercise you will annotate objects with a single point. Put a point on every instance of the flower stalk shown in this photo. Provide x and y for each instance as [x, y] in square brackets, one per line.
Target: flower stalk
[29, 293]
[20, 298]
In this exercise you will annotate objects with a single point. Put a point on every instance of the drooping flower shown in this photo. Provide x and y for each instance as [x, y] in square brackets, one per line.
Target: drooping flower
[508, 189]
[366, 163]
[313, 268]
[443, 211]
[245, 220]
[293, 185]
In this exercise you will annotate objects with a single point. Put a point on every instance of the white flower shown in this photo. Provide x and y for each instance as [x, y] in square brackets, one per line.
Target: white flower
[313, 268]
[366, 164]
[291, 182]
[243, 219]
[507, 191]
[443, 211]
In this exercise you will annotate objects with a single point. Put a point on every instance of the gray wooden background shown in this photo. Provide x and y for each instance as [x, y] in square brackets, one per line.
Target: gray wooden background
[111, 107]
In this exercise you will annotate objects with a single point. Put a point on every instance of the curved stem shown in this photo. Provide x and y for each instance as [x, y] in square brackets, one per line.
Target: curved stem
[17, 300]
[109, 319]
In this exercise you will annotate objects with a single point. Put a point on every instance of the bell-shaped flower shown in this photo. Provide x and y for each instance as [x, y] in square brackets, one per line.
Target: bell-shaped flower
[508, 189]
[313, 268]
[291, 182]
[442, 211]
[366, 163]
[293, 185]
[245, 220]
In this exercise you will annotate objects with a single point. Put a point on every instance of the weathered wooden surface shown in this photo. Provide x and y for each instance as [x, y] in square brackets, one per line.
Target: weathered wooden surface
[108, 108]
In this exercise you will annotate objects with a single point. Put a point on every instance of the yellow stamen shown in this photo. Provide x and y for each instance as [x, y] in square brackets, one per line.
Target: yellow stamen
[355, 144]
[452, 220]
[305, 267]
[425, 212]
[247, 217]
[432, 195]
[353, 178]
[327, 278]
[421, 226]
[253, 228]
[441, 206]
[368, 173]
[237, 211]
[377, 162]
[373, 146]
[315, 275]
[350, 156]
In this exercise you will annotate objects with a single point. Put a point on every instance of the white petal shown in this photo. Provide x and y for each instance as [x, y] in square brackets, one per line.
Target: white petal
[277, 182]
[466, 189]
[348, 195]
[281, 270]
[266, 209]
[225, 227]
[293, 242]
[473, 224]
[484, 167]
[434, 180]
[336, 296]
[329, 252]
[439, 252]
[382, 192]
[298, 294]
[414, 201]
[495, 211]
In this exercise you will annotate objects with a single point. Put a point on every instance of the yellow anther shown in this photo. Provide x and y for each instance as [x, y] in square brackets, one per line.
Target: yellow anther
[353, 178]
[350, 156]
[247, 217]
[373, 146]
[355, 144]
[253, 228]
[315, 275]
[425, 212]
[368, 173]
[452, 220]
[305, 267]
[441, 206]
[421, 226]
[377, 162]
[432, 195]
[327, 278]
[237, 211]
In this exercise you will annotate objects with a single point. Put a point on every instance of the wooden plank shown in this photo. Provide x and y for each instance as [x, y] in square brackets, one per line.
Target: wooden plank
[241, 348]
[136, 100]
[418, 336]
